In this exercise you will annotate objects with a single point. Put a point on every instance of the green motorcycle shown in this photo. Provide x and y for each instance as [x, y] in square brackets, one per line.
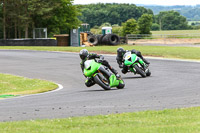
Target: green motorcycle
[136, 65]
[102, 75]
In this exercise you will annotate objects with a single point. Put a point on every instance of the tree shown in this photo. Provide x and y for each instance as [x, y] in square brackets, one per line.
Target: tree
[4, 18]
[21, 16]
[63, 18]
[171, 20]
[97, 14]
[130, 27]
[1, 19]
[145, 23]
[106, 24]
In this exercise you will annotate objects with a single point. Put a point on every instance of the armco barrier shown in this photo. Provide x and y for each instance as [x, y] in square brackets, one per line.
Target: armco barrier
[28, 42]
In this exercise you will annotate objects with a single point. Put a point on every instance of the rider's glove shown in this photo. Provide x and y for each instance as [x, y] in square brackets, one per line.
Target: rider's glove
[100, 61]
[101, 57]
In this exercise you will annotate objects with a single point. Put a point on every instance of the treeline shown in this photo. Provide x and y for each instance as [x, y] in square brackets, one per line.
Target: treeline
[170, 20]
[97, 14]
[192, 13]
[20, 17]
[116, 14]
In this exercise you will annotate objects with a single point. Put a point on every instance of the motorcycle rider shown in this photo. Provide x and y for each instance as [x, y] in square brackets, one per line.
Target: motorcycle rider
[85, 55]
[120, 61]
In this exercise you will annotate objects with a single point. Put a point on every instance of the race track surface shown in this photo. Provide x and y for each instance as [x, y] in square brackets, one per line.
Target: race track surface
[173, 84]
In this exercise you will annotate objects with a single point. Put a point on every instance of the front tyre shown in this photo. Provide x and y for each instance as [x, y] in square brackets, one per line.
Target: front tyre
[101, 83]
[140, 71]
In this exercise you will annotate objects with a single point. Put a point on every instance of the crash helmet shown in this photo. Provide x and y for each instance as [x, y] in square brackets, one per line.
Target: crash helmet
[120, 51]
[83, 54]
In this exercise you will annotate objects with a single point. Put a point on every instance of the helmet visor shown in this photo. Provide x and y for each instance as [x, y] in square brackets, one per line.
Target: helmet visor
[82, 57]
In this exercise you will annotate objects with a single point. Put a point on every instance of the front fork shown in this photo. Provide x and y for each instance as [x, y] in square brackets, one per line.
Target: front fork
[144, 65]
[140, 62]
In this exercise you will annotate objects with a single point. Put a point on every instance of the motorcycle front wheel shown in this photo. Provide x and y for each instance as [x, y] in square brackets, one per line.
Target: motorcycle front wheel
[101, 82]
[140, 71]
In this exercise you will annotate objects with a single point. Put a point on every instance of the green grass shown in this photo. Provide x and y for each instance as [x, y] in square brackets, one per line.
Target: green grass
[176, 32]
[11, 85]
[158, 51]
[166, 121]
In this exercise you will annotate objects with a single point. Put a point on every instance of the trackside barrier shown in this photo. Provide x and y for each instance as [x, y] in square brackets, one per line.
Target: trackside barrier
[28, 42]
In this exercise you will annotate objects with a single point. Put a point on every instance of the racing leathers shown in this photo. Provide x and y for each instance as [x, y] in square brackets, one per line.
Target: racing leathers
[89, 82]
[120, 60]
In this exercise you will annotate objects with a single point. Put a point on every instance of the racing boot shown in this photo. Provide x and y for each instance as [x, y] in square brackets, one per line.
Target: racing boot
[145, 61]
[115, 72]
[124, 69]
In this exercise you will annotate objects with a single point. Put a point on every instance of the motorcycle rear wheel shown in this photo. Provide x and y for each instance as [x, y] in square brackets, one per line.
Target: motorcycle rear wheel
[121, 85]
[148, 73]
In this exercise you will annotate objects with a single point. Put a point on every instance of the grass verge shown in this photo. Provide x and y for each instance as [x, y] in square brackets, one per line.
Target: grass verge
[166, 121]
[158, 51]
[15, 85]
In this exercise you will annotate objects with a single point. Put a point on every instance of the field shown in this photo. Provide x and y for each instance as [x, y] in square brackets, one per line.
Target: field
[190, 22]
[169, 37]
[176, 32]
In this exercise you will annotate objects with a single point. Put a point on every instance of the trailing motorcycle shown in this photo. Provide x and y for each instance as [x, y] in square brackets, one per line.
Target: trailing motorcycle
[136, 65]
[102, 75]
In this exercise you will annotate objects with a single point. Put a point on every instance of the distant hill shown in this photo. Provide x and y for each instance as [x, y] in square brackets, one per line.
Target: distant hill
[190, 12]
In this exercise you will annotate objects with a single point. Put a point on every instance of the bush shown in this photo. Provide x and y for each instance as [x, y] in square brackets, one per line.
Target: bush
[155, 27]
[130, 27]
[117, 30]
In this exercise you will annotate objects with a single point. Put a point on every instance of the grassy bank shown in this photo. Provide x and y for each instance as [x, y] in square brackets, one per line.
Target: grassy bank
[14, 85]
[166, 121]
[158, 51]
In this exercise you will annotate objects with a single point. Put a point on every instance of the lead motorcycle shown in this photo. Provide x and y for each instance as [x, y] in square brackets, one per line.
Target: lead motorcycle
[102, 75]
[136, 65]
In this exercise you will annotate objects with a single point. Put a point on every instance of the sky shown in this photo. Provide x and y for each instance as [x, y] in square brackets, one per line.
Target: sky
[146, 2]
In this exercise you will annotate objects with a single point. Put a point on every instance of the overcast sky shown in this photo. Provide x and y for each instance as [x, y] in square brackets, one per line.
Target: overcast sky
[146, 2]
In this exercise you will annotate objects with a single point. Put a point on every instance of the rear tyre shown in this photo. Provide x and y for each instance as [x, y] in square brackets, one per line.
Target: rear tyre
[121, 84]
[148, 73]
[140, 71]
[101, 83]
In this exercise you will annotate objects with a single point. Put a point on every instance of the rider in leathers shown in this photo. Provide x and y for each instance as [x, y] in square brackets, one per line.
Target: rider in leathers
[85, 55]
[120, 61]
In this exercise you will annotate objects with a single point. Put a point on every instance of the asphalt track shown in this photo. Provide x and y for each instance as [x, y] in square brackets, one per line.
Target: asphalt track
[173, 84]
